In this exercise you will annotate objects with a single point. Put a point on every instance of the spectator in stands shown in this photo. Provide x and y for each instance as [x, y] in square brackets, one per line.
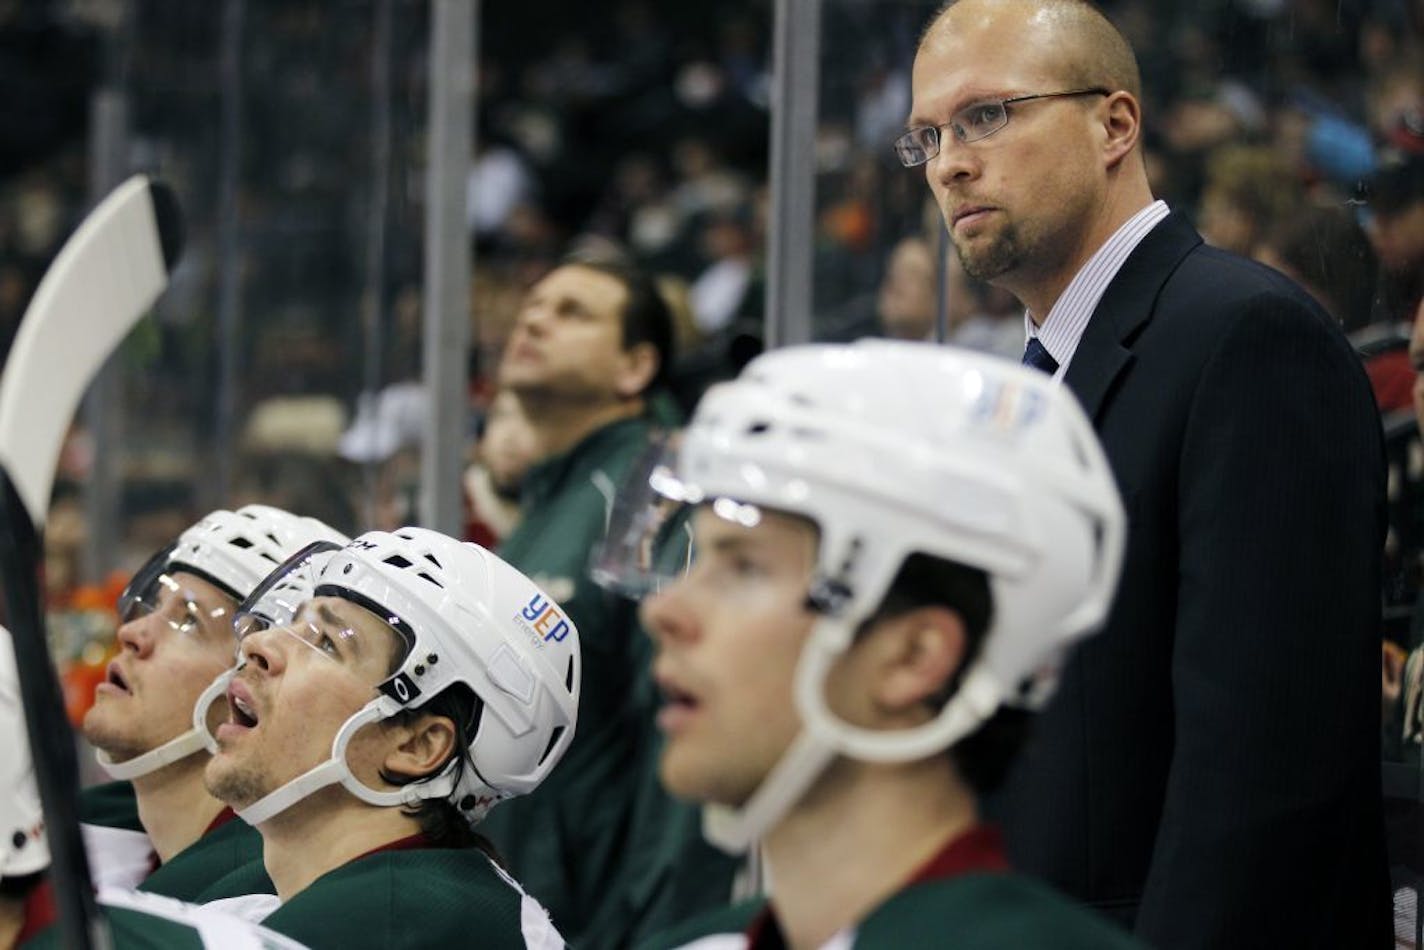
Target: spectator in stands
[1396, 228]
[1325, 250]
[1249, 188]
[505, 450]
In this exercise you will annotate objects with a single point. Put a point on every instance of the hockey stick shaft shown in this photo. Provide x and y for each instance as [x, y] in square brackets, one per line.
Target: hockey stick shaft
[104, 279]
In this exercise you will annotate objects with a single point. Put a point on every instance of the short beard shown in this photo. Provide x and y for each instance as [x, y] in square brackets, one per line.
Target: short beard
[237, 788]
[1002, 255]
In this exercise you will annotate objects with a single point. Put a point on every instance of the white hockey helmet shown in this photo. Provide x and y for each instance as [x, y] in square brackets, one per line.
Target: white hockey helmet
[464, 616]
[894, 449]
[233, 550]
[23, 848]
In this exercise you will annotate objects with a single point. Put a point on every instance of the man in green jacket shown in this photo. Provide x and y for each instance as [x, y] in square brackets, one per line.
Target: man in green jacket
[895, 545]
[601, 845]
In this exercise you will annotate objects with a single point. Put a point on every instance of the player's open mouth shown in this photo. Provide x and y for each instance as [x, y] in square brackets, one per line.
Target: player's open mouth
[678, 707]
[115, 678]
[242, 711]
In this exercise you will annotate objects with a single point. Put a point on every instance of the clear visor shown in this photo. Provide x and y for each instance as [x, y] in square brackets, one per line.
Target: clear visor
[331, 622]
[649, 540]
[179, 598]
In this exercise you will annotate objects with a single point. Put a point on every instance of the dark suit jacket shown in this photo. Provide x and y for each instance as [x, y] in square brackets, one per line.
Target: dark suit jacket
[1210, 764]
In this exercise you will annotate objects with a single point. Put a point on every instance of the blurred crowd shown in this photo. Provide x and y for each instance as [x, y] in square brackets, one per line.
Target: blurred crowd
[1291, 131]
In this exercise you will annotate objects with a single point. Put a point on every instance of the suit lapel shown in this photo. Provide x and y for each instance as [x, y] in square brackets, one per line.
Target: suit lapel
[1104, 352]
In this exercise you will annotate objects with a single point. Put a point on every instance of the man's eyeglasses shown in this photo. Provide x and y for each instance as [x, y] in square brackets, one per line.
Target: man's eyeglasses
[976, 121]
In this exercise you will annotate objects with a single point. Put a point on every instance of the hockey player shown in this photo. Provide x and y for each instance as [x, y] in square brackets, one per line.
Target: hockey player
[157, 828]
[390, 693]
[895, 544]
[24, 855]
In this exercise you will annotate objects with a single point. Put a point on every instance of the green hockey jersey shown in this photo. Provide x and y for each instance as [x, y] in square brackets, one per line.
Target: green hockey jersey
[415, 898]
[964, 897]
[121, 855]
[971, 912]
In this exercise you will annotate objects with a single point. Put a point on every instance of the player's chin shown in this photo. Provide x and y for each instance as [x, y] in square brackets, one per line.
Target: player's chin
[698, 779]
[102, 728]
[229, 783]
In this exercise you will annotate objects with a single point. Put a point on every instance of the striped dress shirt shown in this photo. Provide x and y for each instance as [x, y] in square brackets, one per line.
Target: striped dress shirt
[1065, 323]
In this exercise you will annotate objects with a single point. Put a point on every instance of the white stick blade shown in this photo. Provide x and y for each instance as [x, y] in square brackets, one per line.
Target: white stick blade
[107, 276]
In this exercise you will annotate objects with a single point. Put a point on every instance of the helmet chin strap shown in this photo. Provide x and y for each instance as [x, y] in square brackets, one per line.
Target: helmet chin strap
[335, 771]
[974, 701]
[735, 830]
[179, 747]
[825, 736]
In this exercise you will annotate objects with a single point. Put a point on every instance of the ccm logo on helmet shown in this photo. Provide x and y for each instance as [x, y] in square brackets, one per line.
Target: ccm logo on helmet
[546, 621]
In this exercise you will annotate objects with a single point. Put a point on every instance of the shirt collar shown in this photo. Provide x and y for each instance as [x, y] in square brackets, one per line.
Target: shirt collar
[1063, 328]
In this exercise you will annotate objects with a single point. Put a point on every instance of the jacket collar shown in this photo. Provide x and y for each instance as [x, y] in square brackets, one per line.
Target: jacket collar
[1104, 352]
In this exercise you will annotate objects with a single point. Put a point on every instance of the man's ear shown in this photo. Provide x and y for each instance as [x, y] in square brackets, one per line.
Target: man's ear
[921, 651]
[1122, 124]
[636, 370]
[424, 746]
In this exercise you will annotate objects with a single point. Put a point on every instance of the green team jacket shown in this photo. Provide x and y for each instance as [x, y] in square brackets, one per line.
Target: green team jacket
[575, 843]
[978, 911]
[224, 847]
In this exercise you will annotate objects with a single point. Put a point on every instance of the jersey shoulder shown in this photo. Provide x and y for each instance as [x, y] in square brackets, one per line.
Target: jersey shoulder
[985, 911]
[731, 921]
[416, 898]
[234, 847]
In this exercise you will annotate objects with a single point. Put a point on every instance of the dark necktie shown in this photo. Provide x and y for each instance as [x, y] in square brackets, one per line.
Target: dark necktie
[1038, 357]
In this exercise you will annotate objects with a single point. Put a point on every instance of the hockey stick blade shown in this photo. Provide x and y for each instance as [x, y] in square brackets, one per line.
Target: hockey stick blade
[107, 276]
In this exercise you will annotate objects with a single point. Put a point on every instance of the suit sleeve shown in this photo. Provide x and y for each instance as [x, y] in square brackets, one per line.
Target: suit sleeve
[1268, 826]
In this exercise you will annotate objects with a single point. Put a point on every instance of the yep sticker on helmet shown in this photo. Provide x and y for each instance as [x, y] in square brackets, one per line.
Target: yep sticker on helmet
[541, 617]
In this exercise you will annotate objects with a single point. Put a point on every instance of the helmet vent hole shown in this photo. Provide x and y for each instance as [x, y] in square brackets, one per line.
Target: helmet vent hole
[758, 428]
[241, 543]
[553, 741]
[569, 676]
[431, 559]
[430, 579]
[395, 560]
